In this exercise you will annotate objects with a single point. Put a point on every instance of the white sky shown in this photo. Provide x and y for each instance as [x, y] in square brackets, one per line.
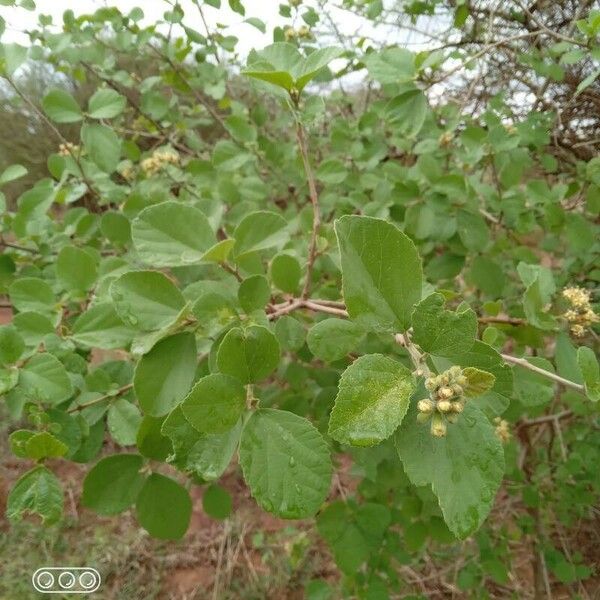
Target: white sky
[19, 20]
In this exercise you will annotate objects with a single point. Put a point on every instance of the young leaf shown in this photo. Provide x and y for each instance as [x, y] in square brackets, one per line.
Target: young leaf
[248, 355]
[163, 508]
[215, 403]
[381, 273]
[285, 462]
[464, 468]
[440, 331]
[44, 445]
[164, 375]
[113, 484]
[171, 234]
[372, 400]
[147, 300]
[106, 104]
[38, 491]
[478, 382]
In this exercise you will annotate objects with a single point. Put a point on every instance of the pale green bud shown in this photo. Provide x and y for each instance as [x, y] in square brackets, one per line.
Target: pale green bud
[425, 405]
[438, 427]
[444, 406]
[423, 417]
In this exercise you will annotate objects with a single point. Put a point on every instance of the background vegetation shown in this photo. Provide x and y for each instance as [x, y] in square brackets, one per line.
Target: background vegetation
[167, 201]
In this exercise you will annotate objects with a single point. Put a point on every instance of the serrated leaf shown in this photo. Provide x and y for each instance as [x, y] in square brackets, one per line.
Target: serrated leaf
[163, 508]
[171, 234]
[164, 375]
[38, 491]
[146, 300]
[440, 331]
[215, 403]
[332, 339]
[113, 484]
[248, 355]
[44, 445]
[381, 273]
[285, 462]
[372, 400]
[464, 468]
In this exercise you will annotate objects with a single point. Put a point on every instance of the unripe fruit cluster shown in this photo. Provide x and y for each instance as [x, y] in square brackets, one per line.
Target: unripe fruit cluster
[446, 400]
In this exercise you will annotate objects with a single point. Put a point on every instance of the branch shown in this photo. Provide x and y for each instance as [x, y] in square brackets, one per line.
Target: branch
[521, 362]
[314, 200]
[95, 401]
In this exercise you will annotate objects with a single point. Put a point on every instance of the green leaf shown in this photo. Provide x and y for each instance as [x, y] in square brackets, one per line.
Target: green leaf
[440, 331]
[473, 231]
[588, 363]
[61, 107]
[289, 333]
[530, 388]
[216, 502]
[44, 378]
[102, 145]
[332, 171]
[123, 422]
[354, 533]
[285, 271]
[163, 508]
[164, 375]
[12, 345]
[285, 462]
[406, 113]
[113, 484]
[372, 400]
[76, 268]
[106, 104]
[392, 65]
[11, 173]
[478, 382]
[147, 300]
[310, 67]
[172, 234]
[14, 56]
[32, 294]
[333, 339]
[101, 327]
[381, 273]
[115, 227]
[44, 445]
[150, 440]
[464, 468]
[215, 403]
[39, 492]
[257, 231]
[248, 355]
[254, 293]
[9, 378]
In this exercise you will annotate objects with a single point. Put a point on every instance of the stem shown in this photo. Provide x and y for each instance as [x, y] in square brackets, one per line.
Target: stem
[120, 391]
[521, 362]
[314, 200]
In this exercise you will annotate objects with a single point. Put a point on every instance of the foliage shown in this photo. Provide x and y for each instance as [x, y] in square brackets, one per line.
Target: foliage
[259, 269]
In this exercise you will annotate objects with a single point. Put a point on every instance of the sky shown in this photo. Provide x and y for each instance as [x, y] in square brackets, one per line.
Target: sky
[19, 20]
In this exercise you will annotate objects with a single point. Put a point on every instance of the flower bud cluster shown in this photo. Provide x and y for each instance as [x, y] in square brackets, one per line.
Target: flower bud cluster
[68, 149]
[580, 315]
[158, 160]
[446, 400]
[301, 33]
[502, 430]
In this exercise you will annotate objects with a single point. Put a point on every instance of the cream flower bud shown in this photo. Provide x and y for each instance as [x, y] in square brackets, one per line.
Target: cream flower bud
[444, 406]
[425, 405]
[445, 393]
[438, 427]
[458, 406]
